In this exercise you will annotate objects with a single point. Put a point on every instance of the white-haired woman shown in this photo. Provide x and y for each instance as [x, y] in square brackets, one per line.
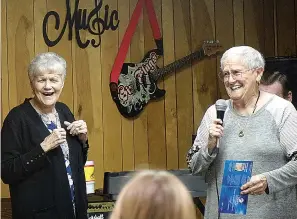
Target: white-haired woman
[43, 149]
[258, 126]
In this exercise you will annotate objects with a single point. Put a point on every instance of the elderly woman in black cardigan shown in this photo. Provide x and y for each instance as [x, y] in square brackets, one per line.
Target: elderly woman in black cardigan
[44, 149]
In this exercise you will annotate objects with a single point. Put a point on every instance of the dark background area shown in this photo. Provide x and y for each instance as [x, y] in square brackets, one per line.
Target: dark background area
[287, 66]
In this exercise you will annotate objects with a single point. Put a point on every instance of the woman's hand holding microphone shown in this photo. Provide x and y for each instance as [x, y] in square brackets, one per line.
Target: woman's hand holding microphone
[215, 132]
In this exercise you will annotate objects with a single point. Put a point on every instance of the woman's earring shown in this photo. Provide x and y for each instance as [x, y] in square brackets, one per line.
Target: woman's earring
[258, 80]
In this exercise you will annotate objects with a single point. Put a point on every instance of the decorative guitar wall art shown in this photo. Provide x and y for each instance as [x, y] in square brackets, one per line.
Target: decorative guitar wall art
[133, 85]
[137, 83]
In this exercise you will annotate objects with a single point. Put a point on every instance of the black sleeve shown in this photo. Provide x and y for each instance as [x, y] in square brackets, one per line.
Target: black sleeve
[85, 149]
[16, 163]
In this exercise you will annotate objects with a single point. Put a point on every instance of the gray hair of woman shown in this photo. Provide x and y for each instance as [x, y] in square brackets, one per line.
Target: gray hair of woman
[154, 194]
[45, 63]
[250, 57]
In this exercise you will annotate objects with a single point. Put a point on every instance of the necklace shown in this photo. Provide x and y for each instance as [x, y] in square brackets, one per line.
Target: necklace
[241, 133]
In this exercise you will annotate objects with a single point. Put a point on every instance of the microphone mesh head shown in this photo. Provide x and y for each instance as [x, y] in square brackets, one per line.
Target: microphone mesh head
[221, 105]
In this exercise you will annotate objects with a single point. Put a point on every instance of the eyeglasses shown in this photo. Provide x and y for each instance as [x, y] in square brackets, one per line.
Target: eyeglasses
[225, 75]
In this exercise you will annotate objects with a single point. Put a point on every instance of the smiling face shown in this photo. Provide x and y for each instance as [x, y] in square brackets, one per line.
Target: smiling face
[47, 88]
[242, 82]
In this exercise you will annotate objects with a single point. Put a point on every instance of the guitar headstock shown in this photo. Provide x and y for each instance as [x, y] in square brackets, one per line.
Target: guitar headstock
[211, 47]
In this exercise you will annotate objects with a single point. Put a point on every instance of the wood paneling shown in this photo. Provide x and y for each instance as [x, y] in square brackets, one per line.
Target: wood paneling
[184, 89]
[224, 32]
[64, 49]
[161, 135]
[112, 143]
[40, 9]
[87, 94]
[155, 110]
[20, 33]
[238, 22]
[204, 71]
[253, 24]
[170, 86]
[286, 33]
[140, 141]
[4, 76]
[269, 29]
[127, 124]
[4, 65]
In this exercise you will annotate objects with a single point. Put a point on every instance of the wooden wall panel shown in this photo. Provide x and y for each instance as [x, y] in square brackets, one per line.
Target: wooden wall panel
[161, 135]
[111, 118]
[155, 109]
[204, 71]
[20, 49]
[140, 140]
[96, 129]
[254, 26]
[40, 9]
[127, 124]
[4, 77]
[170, 86]
[269, 28]
[63, 48]
[238, 22]
[183, 79]
[4, 67]
[87, 87]
[224, 33]
[286, 33]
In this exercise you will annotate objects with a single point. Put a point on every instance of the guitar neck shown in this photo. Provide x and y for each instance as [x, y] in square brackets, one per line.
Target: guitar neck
[178, 64]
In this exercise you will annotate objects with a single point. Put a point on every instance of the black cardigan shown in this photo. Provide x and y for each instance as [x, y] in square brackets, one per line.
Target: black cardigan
[38, 182]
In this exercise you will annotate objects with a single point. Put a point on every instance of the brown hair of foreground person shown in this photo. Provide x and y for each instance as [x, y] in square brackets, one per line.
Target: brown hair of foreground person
[154, 195]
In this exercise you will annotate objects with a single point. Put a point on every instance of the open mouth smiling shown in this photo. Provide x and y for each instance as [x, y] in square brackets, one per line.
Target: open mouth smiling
[235, 87]
[48, 94]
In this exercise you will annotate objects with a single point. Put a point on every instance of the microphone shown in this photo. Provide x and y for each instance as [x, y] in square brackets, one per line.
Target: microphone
[221, 107]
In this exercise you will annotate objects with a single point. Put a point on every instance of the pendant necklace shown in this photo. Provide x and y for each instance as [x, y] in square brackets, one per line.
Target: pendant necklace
[241, 133]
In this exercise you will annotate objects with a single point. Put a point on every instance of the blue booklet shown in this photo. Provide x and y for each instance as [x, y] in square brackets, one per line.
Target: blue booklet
[236, 173]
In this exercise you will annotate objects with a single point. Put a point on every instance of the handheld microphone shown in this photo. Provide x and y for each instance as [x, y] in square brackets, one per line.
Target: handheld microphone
[221, 107]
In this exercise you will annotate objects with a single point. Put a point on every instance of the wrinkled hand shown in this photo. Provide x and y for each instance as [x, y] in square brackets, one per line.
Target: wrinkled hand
[256, 186]
[79, 128]
[215, 132]
[57, 137]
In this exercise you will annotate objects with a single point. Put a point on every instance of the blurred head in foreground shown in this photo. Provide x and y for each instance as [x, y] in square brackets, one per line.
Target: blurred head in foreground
[154, 195]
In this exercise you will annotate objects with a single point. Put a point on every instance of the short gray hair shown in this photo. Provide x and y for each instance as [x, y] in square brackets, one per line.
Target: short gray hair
[44, 62]
[249, 56]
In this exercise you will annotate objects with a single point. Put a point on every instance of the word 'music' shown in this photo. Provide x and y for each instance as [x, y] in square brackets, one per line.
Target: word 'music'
[81, 21]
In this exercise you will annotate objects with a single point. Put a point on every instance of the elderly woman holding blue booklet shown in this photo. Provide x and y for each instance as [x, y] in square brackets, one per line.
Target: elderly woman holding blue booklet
[250, 159]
